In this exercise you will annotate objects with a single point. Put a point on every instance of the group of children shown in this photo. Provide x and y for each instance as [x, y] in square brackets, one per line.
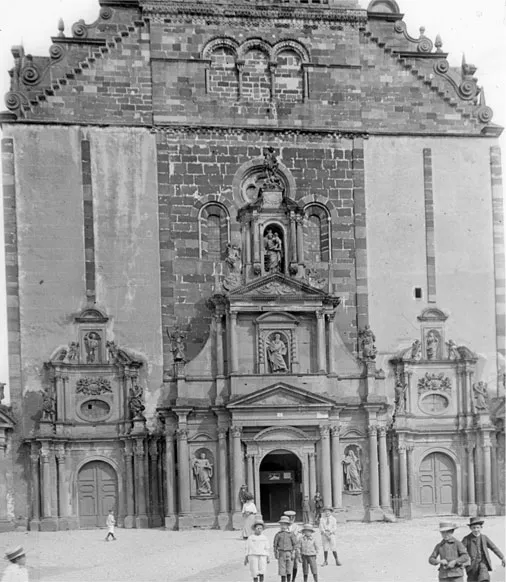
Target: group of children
[292, 545]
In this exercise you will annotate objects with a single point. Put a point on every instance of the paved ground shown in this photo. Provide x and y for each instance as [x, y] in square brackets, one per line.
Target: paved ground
[377, 552]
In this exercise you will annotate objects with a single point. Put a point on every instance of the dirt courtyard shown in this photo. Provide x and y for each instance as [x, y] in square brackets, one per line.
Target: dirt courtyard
[377, 552]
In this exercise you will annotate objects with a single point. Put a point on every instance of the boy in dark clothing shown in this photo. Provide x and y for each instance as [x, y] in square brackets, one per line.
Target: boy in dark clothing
[450, 555]
[477, 546]
[285, 547]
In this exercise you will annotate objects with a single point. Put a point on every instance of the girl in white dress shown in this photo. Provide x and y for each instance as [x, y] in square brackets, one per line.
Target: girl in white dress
[249, 511]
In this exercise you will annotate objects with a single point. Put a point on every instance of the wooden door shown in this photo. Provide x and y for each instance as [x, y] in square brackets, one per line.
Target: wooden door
[97, 490]
[437, 484]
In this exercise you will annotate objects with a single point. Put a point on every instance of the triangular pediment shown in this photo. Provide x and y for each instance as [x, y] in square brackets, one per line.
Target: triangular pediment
[281, 395]
[278, 285]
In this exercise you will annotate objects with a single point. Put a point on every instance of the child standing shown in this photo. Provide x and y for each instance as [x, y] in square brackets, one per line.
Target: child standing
[16, 571]
[450, 555]
[328, 529]
[308, 552]
[306, 510]
[285, 547]
[257, 552]
[477, 546]
[110, 522]
[295, 529]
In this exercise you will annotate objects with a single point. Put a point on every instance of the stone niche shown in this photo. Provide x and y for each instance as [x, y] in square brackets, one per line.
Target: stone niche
[277, 345]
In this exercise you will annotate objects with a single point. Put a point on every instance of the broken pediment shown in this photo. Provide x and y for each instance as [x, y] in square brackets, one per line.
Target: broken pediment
[286, 433]
[278, 286]
[281, 395]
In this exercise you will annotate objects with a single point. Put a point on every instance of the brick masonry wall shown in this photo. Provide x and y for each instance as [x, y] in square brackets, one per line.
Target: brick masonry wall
[194, 169]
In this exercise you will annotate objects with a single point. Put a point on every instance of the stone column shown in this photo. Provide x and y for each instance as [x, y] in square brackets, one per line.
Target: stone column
[320, 341]
[384, 469]
[218, 318]
[35, 490]
[373, 470]
[293, 238]
[325, 465]
[170, 476]
[223, 517]
[48, 523]
[493, 452]
[488, 508]
[183, 471]
[312, 475]
[332, 360]
[63, 488]
[238, 478]
[251, 473]
[471, 491]
[411, 473]
[256, 245]
[129, 485]
[247, 237]
[3, 476]
[300, 239]
[403, 470]
[141, 518]
[232, 318]
[153, 482]
[256, 479]
[337, 468]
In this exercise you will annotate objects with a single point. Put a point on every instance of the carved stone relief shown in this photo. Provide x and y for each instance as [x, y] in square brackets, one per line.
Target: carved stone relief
[93, 386]
[480, 394]
[434, 382]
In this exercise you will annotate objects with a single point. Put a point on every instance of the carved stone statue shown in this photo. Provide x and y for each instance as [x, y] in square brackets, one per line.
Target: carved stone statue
[273, 252]
[203, 471]
[73, 352]
[234, 263]
[453, 354]
[276, 352]
[480, 396]
[135, 402]
[177, 346]
[432, 343]
[416, 350]
[271, 167]
[49, 405]
[367, 339]
[92, 342]
[352, 469]
[400, 396]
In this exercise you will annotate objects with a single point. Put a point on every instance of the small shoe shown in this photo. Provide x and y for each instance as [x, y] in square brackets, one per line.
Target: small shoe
[324, 564]
[338, 563]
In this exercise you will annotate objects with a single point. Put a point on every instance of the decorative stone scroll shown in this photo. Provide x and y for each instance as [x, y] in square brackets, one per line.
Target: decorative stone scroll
[434, 382]
[93, 386]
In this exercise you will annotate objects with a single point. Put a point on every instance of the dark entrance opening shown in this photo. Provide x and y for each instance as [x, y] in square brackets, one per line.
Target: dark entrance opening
[280, 485]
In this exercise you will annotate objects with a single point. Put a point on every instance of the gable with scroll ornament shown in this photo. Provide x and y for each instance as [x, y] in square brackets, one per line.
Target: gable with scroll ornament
[433, 383]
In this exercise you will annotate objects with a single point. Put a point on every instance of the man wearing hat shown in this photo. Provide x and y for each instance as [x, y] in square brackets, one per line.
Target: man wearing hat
[285, 547]
[477, 546]
[294, 528]
[328, 530]
[16, 571]
[308, 552]
[450, 555]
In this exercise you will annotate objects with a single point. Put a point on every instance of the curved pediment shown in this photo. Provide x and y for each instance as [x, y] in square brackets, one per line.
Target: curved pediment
[285, 433]
[352, 433]
[432, 314]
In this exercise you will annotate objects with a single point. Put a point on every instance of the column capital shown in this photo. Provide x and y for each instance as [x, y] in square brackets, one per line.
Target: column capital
[139, 448]
[335, 430]
[311, 455]
[182, 434]
[324, 430]
[372, 430]
[222, 432]
[128, 450]
[169, 433]
[331, 315]
[320, 313]
[401, 448]
[45, 452]
[236, 430]
[153, 448]
[60, 452]
[382, 431]
[410, 448]
[470, 447]
[233, 316]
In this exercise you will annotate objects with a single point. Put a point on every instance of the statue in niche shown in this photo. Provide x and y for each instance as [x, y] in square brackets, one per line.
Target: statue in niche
[135, 402]
[177, 347]
[92, 344]
[49, 405]
[203, 472]
[367, 339]
[234, 262]
[416, 350]
[273, 252]
[480, 393]
[432, 344]
[453, 354]
[73, 352]
[276, 354]
[271, 168]
[352, 470]
[400, 396]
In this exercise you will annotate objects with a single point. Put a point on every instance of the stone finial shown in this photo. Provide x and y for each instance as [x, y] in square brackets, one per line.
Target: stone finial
[438, 44]
[422, 31]
[468, 70]
[61, 28]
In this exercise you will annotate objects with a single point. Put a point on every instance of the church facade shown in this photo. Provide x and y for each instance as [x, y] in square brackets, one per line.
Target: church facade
[250, 243]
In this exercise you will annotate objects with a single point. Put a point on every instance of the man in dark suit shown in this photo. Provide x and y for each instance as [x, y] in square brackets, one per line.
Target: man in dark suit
[477, 546]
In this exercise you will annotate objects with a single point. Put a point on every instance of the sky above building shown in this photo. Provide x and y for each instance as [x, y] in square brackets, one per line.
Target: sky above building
[477, 29]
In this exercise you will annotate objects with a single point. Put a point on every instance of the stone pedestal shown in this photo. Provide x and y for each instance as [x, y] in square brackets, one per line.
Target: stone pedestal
[237, 520]
[185, 522]
[171, 522]
[374, 514]
[224, 521]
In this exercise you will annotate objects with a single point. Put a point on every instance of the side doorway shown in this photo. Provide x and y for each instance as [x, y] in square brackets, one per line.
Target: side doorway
[97, 487]
[437, 485]
[280, 485]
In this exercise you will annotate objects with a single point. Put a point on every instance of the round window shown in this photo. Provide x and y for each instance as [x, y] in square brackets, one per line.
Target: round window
[434, 403]
[94, 410]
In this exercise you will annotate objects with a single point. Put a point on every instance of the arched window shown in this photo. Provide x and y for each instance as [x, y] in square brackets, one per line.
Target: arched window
[289, 84]
[222, 74]
[214, 222]
[317, 230]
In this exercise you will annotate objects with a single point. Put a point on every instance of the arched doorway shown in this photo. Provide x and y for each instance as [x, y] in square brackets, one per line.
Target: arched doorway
[437, 484]
[280, 484]
[97, 489]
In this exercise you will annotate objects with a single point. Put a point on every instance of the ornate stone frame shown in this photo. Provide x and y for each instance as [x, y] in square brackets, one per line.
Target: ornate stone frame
[284, 324]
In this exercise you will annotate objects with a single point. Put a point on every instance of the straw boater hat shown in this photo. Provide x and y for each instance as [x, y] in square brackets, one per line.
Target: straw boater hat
[284, 519]
[258, 522]
[14, 553]
[476, 521]
[327, 508]
[447, 526]
[290, 513]
[307, 527]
